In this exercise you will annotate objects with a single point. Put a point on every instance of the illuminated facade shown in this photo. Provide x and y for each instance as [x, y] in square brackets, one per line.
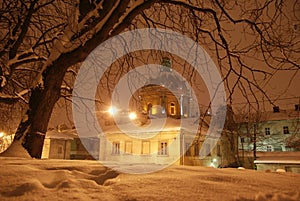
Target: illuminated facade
[170, 96]
[168, 99]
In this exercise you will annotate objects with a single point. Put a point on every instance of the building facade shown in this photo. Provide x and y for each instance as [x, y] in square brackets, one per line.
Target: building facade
[66, 144]
[274, 131]
[270, 140]
[168, 99]
[172, 144]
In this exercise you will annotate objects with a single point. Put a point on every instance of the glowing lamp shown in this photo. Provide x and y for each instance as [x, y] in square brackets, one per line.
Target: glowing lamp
[132, 115]
[112, 110]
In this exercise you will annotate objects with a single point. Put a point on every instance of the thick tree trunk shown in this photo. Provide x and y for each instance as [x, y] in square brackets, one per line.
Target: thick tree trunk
[32, 129]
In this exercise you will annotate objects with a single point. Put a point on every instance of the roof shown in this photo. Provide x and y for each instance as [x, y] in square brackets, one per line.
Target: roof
[268, 116]
[170, 80]
[69, 134]
[291, 161]
[155, 125]
[278, 157]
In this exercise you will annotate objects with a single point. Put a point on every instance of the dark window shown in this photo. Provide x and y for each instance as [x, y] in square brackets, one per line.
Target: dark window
[207, 149]
[276, 109]
[163, 149]
[187, 149]
[218, 150]
[242, 140]
[267, 131]
[149, 108]
[196, 150]
[286, 130]
[269, 148]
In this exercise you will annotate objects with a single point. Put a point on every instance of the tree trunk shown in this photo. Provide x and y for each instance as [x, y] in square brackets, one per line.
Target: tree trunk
[33, 127]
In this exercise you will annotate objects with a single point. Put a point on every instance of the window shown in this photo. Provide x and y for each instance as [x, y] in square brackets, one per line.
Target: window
[163, 110]
[276, 109]
[218, 150]
[187, 149]
[163, 103]
[267, 131]
[207, 149]
[163, 148]
[145, 147]
[172, 109]
[149, 108]
[116, 148]
[286, 130]
[242, 140]
[185, 112]
[269, 148]
[297, 107]
[196, 149]
[59, 150]
[154, 110]
[128, 147]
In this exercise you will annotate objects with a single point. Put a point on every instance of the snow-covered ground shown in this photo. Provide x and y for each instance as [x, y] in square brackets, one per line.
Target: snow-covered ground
[31, 179]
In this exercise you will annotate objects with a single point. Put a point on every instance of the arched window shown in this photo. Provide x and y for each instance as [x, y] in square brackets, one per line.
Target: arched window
[149, 107]
[172, 109]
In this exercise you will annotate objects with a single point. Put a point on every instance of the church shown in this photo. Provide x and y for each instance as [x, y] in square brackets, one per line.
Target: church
[169, 129]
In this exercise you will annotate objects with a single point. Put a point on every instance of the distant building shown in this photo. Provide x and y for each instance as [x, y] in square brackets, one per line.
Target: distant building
[272, 131]
[270, 140]
[57, 144]
[66, 144]
[289, 161]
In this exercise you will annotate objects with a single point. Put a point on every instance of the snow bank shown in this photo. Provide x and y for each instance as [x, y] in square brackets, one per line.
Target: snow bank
[15, 150]
[277, 197]
[31, 179]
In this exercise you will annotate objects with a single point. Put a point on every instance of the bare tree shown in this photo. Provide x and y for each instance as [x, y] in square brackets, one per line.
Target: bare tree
[41, 40]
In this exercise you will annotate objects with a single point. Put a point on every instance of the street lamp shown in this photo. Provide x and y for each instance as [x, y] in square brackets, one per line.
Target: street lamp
[132, 116]
[112, 110]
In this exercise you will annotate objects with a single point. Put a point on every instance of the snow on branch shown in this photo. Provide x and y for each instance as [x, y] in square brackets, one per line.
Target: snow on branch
[24, 57]
[133, 5]
[66, 88]
[10, 99]
[72, 71]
